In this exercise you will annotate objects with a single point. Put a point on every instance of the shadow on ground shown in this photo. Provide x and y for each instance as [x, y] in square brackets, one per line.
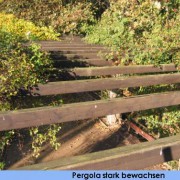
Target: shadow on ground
[76, 138]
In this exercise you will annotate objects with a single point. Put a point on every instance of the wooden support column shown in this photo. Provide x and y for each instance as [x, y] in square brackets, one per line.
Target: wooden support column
[112, 119]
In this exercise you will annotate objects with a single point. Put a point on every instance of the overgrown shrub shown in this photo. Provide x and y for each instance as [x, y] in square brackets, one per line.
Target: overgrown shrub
[74, 18]
[160, 122]
[144, 32]
[21, 66]
[25, 30]
[63, 16]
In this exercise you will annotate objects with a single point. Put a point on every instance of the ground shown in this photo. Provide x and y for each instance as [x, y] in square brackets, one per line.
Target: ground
[76, 138]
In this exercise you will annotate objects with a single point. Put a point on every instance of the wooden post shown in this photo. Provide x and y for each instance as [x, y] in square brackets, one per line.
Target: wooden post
[112, 119]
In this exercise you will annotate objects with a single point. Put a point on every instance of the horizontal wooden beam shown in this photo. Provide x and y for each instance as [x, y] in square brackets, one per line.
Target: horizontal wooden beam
[67, 63]
[73, 45]
[75, 56]
[130, 157]
[65, 87]
[65, 43]
[67, 39]
[136, 69]
[71, 48]
[70, 45]
[71, 37]
[86, 110]
[76, 50]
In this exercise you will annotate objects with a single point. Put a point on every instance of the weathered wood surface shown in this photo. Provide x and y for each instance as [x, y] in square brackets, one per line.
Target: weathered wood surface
[67, 63]
[66, 44]
[75, 51]
[86, 110]
[62, 39]
[139, 131]
[70, 44]
[138, 69]
[79, 55]
[64, 87]
[76, 48]
[130, 157]
[79, 52]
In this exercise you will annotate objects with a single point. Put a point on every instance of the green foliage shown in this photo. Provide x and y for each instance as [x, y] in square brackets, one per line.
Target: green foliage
[147, 32]
[21, 66]
[46, 135]
[5, 138]
[174, 165]
[144, 32]
[2, 164]
[25, 30]
[74, 18]
[160, 122]
[63, 16]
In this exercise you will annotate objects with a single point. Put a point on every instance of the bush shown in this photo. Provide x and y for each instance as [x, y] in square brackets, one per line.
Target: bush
[161, 122]
[144, 32]
[63, 16]
[74, 18]
[25, 30]
[21, 67]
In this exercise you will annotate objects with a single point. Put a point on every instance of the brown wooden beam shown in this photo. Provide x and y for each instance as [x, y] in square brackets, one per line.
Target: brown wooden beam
[75, 51]
[76, 48]
[132, 157]
[65, 43]
[136, 69]
[140, 131]
[64, 87]
[76, 56]
[86, 110]
[88, 62]
[69, 44]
